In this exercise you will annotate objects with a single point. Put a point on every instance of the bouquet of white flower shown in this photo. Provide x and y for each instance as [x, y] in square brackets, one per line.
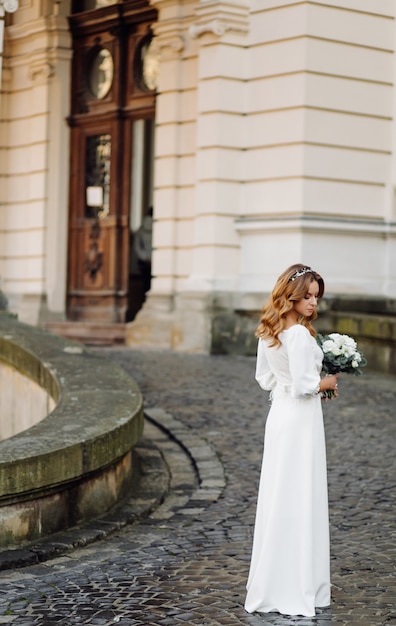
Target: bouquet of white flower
[340, 354]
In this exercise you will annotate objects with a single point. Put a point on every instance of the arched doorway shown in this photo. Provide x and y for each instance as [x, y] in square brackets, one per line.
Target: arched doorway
[111, 157]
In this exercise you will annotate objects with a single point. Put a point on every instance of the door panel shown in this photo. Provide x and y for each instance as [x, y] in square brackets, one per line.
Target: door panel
[108, 98]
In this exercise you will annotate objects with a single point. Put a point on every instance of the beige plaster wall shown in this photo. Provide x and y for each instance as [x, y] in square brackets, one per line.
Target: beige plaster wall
[320, 174]
[23, 402]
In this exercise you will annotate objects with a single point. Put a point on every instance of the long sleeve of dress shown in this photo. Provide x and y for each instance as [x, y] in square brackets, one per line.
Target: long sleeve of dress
[304, 372]
[264, 375]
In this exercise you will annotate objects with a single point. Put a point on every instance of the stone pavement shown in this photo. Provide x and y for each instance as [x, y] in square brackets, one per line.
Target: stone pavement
[186, 561]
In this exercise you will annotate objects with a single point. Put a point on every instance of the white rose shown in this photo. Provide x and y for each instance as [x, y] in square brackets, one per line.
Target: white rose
[351, 343]
[334, 348]
[327, 346]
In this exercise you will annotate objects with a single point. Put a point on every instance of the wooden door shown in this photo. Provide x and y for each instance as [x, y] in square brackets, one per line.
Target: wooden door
[110, 95]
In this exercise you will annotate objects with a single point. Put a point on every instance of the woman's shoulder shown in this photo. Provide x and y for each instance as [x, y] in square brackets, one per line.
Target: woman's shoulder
[265, 345]
[297, 330]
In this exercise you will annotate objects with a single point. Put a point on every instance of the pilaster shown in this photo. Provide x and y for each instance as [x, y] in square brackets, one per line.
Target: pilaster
[220, 31]
[175, 140]
[35, 108]
[57, 183]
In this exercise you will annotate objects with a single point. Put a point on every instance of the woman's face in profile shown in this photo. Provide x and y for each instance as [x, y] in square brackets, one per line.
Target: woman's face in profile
[308, 304]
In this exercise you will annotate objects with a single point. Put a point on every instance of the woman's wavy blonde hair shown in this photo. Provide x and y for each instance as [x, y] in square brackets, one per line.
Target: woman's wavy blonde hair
[291, 286]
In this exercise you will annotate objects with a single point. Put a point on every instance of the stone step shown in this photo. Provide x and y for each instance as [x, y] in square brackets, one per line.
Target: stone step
[91, 333]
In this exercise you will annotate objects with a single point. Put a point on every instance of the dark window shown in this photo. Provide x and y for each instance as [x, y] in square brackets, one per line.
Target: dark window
[79, 6]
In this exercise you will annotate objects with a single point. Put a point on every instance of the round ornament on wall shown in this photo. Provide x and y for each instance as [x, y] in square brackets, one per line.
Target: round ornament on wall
[147, 64]
[101, 73]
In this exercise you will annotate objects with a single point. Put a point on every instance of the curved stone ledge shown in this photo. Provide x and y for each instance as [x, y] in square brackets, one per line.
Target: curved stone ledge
[77, 462]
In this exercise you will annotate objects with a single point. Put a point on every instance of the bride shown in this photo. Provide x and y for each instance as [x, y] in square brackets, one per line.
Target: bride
[290, 570]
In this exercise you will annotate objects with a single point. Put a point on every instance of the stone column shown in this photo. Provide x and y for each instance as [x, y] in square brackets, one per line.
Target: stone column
[58, 163]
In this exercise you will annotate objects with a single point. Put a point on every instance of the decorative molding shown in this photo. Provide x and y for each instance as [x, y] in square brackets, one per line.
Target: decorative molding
[170, 31]
[9, 6]
[327, 224]
[174, 43]
[168, 42]
[40, 70]
[218, 18]
[216, 27]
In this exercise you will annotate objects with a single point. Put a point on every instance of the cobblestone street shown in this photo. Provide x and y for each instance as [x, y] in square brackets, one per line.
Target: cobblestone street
[187, 562]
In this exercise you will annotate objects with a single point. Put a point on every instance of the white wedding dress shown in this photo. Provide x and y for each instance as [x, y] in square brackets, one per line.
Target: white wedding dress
[290, 568]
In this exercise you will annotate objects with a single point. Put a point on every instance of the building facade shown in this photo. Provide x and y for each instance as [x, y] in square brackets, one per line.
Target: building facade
[261, 132]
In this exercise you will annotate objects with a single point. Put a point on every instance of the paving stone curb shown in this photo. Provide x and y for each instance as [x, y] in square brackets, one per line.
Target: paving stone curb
[177, 471]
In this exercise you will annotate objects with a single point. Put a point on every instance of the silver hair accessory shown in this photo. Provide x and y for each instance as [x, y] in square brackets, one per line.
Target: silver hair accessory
[298, 273]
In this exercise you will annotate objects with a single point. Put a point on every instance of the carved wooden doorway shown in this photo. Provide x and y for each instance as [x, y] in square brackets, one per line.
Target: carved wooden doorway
[111, 121]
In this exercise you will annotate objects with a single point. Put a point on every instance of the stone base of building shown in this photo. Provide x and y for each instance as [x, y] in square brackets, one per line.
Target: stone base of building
[217, 324]
[181, 322]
